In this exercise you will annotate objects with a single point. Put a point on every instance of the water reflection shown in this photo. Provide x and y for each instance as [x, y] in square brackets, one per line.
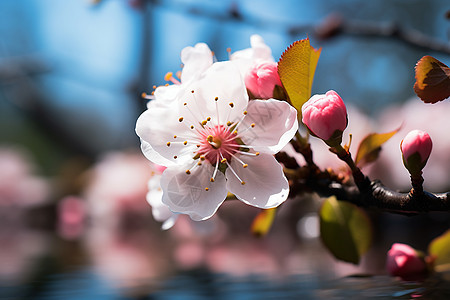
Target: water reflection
[105, 244]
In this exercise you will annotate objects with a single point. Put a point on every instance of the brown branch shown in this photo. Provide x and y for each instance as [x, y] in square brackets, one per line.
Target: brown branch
[363, 192]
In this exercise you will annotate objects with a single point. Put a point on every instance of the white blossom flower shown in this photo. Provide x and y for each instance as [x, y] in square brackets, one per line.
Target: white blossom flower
[195, 61]
[213, 140]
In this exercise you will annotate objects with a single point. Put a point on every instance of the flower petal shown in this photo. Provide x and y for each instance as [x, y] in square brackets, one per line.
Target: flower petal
[265, 184]
[158, 126]
[221, 80]
[196, 60]
[187, 194]
[275, 124]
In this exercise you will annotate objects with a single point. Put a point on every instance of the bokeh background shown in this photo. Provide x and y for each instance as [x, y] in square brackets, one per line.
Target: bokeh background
[74, 220]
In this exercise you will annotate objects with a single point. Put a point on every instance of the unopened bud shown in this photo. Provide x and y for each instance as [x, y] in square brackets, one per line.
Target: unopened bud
[326, 117]
[416, 149]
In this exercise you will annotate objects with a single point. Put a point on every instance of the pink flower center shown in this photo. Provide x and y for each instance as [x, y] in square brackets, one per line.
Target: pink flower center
[217, 143]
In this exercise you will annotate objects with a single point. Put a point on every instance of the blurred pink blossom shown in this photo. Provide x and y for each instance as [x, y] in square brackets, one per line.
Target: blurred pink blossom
[117, 188]
[71, 217]
[19, 186]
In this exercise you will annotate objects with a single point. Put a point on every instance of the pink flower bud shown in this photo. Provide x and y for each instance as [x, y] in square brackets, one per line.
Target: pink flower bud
[416, 148]
[262, 79]
[405, 262]
[325, 116]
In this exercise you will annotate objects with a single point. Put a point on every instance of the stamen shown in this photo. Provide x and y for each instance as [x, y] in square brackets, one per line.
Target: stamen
[188, 172]
[148, 97]
[181, 119]
[245, 112]
[175, 157]
[169, 77]
[168, 144]
[185, 143]
[234, 173]
[245, 165]
[217, 110]
[224, 160]
[231, 104]
[204, 122]
[206, 189]
[174, 136]
[215, 169]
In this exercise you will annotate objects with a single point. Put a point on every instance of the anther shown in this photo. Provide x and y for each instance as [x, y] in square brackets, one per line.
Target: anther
[188, 172]
[208, 119]
[202, 157]
[257, 153]
[198, 145]
[209, 138]
[252, 125]
[204, 122]
[154, 87]
[229, 123]
[192, 91]
[185, 103]
[166, 84]
[199, 163]
[245, 112]
[245, 165]
[174, 136]
[175, 157]
[242, 182]
[206, 189]
[192, 126]
[217, 98]
[185, 143]
[181, 119]
[212, 179]
[231, 104]
[168, 76]
[168, 144]
[144, 95]
[224, 160]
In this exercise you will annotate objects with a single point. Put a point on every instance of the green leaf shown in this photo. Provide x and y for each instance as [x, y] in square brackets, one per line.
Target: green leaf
[432, 80]
[263, 221]
[296, 68]
[345, 230]
[439, 249]
[370, 147]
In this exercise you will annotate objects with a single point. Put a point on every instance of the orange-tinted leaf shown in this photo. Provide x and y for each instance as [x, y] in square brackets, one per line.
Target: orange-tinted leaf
[296, 68]
[370, 147]
[432, 80]
[263, 221]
